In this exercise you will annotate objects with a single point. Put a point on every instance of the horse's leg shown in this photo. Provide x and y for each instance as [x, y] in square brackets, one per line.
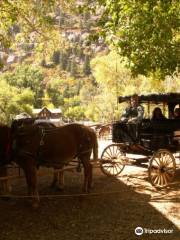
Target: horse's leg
[5, 187]
[90, 183]
[58, 179]
[61, 179]
[87, 172]
[31, 179]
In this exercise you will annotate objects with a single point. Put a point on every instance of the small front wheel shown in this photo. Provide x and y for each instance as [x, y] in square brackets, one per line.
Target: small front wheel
[162, 167]
[112, 160]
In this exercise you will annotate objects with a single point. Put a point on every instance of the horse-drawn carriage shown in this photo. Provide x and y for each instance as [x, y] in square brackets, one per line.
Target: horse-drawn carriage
[157, 142]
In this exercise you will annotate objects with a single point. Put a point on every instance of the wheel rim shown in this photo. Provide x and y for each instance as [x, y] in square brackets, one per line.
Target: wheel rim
[162, 168]
[111, 162]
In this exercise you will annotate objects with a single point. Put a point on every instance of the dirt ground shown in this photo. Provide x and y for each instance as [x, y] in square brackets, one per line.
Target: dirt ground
[112, 211]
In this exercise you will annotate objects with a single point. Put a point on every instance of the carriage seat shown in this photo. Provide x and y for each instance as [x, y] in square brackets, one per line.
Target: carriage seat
[159, 134]
[162, 126]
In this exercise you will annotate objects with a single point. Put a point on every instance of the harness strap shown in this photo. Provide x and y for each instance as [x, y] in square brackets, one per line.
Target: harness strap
[42, 137]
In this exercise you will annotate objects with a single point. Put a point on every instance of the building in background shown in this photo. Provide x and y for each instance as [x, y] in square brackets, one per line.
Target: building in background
[47, 113]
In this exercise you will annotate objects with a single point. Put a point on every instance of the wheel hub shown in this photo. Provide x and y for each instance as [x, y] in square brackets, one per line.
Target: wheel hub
[162, 169]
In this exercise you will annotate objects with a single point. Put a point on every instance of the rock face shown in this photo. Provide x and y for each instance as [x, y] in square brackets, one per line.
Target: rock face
[77, 51]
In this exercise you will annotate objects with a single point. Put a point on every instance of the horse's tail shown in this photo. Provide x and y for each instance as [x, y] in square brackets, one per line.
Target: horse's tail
[95, 148]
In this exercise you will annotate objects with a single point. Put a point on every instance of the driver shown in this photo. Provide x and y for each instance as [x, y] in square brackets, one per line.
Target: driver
[133, 113]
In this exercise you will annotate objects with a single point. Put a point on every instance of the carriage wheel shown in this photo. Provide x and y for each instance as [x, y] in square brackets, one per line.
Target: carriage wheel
[162, 167]
[112, 162]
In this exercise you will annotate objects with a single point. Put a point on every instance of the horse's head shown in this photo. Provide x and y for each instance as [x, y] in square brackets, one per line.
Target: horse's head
[23, 122]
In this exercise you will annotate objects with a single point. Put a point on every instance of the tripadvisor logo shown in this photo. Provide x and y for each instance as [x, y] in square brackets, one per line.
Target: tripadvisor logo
[139, 231]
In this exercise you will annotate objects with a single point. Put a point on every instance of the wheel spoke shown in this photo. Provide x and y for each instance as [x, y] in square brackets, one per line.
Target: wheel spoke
[116, 168]
[119, 165]
[156, 179]
[161, 160]
[164, 157]
[154, 174]
[169, 163]
[110, 150]
[165, 179]
[155, 160]
[161, 180]
[167, 160]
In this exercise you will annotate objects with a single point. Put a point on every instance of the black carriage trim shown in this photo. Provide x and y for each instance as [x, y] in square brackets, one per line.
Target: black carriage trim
[155, 98]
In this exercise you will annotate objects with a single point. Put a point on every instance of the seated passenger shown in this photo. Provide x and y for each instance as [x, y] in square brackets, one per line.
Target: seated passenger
[157, 114]
[177, 113]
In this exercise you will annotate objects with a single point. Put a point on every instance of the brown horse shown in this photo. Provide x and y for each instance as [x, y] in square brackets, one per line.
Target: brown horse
[54, 148]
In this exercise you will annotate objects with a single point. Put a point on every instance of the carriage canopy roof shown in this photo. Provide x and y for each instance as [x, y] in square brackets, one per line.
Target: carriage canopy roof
[154, 98]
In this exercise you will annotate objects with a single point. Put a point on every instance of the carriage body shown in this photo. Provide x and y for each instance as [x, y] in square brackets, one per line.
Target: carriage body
[155, 134]
[158, 141]
[151, 135]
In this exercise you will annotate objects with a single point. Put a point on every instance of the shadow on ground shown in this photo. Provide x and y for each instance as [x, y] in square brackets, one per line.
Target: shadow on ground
[105, 216]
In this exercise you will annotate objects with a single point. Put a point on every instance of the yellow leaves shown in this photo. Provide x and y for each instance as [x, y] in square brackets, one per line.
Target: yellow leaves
[109, 70]
[172, 83]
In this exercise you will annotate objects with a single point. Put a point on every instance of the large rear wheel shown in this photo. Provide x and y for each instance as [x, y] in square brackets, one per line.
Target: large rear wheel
[162, 167]
[112, 160]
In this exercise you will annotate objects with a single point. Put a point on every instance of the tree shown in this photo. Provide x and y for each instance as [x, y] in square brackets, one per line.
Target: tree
[73, 108]
[25, 76]
[14, 101]
[145, 32]
[55, 89]
[31, 16]
[73, 68]
[56, 57]
[86, 67]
